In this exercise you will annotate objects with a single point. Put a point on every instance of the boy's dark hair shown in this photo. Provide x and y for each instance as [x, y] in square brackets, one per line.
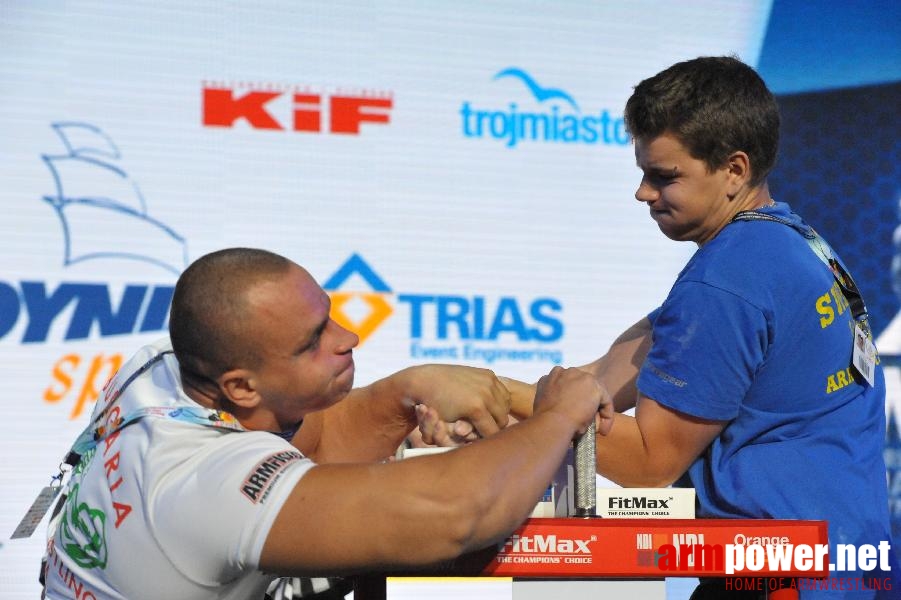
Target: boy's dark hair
[714, 105]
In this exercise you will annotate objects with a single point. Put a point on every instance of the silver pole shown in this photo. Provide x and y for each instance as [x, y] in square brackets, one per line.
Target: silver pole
[585, 467]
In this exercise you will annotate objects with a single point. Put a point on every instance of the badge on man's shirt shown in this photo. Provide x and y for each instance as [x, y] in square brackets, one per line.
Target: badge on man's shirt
[36, 512]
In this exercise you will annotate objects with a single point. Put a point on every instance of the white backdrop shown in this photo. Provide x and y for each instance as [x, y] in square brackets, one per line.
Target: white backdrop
[135, 137]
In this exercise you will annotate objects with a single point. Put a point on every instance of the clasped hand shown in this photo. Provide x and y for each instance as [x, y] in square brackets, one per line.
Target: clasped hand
[455, 403]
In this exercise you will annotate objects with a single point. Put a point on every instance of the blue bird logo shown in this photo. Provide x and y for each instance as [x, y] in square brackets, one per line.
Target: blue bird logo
[541, 94]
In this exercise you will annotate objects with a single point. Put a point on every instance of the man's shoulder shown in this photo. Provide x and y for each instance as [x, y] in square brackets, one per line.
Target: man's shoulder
[197, 441]
[190, 461]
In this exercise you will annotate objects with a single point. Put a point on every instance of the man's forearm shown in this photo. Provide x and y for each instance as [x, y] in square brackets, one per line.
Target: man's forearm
[368, 425]
[431, 508]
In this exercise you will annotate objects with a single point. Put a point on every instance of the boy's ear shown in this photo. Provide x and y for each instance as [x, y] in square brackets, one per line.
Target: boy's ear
[739, 166]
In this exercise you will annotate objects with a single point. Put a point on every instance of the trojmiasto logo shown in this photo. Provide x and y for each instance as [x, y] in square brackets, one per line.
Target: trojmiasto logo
[460, 326]
[306, 109]
[104, 218]
[541, 114]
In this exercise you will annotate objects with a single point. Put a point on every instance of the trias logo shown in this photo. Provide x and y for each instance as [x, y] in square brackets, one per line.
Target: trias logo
[448, 327]
[302, 109]
[375, 302]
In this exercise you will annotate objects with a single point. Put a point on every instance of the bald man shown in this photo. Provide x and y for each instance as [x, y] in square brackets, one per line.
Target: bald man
[212, 463]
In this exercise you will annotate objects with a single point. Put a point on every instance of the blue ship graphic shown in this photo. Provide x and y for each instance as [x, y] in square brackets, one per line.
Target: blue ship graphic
[101, 209]
[541, 94]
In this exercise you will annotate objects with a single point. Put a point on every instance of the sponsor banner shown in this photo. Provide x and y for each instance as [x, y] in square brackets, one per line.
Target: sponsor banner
[313, 110]
[538, 113]
[457, 206]
[646, 503]
[632, 547]
[458, 327]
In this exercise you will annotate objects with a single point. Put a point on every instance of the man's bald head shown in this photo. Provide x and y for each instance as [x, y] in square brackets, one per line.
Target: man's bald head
[209, 325]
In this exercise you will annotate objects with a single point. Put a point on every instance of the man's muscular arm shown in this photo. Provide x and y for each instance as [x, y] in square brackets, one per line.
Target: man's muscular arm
[345, 518]
[370, 423]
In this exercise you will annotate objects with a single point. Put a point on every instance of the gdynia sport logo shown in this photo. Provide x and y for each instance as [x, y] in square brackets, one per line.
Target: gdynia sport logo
[449, 327]
[103, 216]
[551, 115]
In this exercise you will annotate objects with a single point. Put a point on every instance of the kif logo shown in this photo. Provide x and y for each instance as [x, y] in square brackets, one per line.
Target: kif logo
[449, 327]
[552, 115]
[302, 109]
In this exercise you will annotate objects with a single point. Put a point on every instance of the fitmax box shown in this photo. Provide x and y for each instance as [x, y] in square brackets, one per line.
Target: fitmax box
[554, 503]
[646, 503]
[615, 503]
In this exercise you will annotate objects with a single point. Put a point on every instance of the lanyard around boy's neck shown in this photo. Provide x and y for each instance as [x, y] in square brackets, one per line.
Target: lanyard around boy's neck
[819, 246]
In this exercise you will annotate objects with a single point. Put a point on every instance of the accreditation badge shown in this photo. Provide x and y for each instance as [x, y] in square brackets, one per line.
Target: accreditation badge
[864, 356]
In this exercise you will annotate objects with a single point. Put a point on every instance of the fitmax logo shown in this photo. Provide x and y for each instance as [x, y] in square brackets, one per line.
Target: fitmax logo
[547, 544]
[455, 322]
[556, 118]
[637, 502]
[342, 112]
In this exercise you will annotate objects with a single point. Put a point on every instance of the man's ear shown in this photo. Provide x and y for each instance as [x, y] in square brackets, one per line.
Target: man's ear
[239, 387]
[739, 166]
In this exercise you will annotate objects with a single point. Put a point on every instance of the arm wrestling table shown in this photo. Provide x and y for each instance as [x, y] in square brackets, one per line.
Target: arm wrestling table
[632, 550]
[622, 549]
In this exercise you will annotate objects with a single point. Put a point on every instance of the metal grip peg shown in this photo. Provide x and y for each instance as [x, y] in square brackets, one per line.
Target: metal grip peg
[584, 467]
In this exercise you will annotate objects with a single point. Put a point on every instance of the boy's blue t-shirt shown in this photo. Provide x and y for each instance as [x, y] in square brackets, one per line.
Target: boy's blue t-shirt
[754, 333]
